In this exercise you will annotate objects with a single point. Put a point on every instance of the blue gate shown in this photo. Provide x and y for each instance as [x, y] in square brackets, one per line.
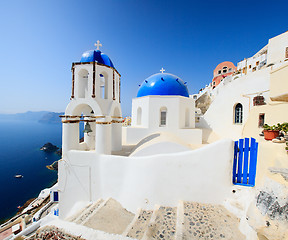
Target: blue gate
[245, 160]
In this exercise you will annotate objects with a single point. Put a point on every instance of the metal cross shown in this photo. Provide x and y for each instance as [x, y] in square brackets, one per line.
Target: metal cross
[162, 70]
[98, 44]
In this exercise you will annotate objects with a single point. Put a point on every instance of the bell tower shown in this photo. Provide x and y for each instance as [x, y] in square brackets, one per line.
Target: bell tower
[95, 100]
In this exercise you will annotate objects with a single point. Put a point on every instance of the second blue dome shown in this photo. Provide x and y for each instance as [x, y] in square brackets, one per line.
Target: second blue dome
[163, 84]
[97, 56]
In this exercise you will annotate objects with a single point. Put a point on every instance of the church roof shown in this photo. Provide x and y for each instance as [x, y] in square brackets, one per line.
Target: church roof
[97, 56]
[163, 84]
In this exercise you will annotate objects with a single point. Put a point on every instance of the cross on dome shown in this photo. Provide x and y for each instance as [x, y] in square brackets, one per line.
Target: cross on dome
[98, 44]
[162, 70]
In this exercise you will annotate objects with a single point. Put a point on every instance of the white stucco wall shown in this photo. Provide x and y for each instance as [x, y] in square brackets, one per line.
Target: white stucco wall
[279, 80]
[220, 115]
[134, 135]
[164, 147]
[199, 175]
[107, 72]
[277, 48]
[177, 122]
[176, 107]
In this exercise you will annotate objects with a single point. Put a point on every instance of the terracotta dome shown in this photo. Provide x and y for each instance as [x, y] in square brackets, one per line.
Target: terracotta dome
[222, 70]
[220, 66]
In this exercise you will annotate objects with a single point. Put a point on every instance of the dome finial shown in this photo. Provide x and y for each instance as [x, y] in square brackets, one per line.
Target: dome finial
[162, 70]
[98, 44]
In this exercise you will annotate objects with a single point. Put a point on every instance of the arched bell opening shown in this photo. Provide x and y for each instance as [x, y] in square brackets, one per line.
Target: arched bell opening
[103, 86]
[87, 127]
[83, 83]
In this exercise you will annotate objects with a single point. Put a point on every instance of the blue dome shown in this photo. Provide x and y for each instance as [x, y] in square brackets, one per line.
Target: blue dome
[163, 84]
[97, 56]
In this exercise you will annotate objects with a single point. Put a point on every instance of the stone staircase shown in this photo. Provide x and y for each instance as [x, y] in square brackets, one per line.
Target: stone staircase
[189, 220]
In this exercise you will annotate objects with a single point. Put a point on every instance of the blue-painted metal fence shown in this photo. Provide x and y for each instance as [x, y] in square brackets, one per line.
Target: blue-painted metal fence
[245, 161]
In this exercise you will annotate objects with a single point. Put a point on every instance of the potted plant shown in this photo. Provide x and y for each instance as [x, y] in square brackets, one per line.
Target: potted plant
[271, 132]
[284, 129]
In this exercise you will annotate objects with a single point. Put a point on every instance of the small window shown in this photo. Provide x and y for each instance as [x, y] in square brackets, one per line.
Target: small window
[238, 118]
[254, 69]
[195, 97]
[224, 70]
[257, 63]
[55, 197]
[163, 116]
[258, 101]
[219, 72]
[261, 119]
[250, 66]
[214, 83]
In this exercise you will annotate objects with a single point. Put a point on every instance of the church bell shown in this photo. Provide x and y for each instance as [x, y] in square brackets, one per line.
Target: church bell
[87, 128]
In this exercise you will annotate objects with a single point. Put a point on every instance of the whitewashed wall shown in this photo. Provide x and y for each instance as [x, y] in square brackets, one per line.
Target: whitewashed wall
[199, 175]
[150, 119]
[134, 135]
[220, 115]
[277, 48]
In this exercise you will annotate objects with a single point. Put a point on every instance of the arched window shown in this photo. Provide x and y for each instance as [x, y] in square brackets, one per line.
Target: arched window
[187, 118]
[163, 116]
[83, 83]
[238, 113]
[224, 69]
[139, 116]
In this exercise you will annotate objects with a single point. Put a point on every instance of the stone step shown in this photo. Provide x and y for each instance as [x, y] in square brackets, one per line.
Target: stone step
[85, 214]
[73, 217]
[179, 221]
[110, 217]
[139, 225]
[207, 221]
[162, 224]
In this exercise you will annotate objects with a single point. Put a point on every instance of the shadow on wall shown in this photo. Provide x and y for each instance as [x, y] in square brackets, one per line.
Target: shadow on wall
[208, 136]
[147, 139]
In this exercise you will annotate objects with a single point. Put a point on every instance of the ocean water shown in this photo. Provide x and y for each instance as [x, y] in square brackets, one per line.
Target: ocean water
[20, 144]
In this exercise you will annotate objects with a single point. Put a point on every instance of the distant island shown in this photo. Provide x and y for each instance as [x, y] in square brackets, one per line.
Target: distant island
[51, 117]
[41, 116]
[49, 147]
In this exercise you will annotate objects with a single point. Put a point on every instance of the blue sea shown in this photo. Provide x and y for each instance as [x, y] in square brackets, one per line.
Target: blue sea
[20, 144]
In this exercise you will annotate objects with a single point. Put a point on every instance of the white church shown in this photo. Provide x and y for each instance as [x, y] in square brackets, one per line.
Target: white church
[166, 166]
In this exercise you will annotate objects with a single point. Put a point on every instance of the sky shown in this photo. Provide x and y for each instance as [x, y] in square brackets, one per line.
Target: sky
[39, 40]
